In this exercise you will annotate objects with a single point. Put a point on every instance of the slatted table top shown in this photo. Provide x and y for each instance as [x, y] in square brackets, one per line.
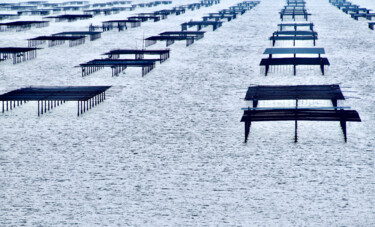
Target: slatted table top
[129, 51]
[322, 92]
[68, 93]
[120, 62]
[182, 33]
[55, 38]
[9, 50]
[301, 115]
[296, 50]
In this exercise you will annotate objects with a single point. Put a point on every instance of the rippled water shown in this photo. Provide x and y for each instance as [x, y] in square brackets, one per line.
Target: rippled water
[167, 148]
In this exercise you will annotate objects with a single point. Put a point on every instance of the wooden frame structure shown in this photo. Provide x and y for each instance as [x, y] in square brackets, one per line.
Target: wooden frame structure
[120, 24]
[56, 10]
[50, 97]
[75, 3]
[18, 54]
[22, 25]
[296, 26]
[154, 3]
[127, 8]
[139, 54]
[40, 12]
[201, 24]
[73, 8]
[219, 16]
[293, 7]
[110, 3]
[145, 18]
[293, 35]
[56, 40]
[138, 18]
[171, 36]
[70, 17]
[169, 39]
[354, 9]
[19, 7]
[368, 16]
[294, 92]
[8, 16]
[299, 114]
[191, 6]
[321, 92]
[174, 10]
[209, 2]
[341, 5]
[267, 62]
[248, 4]
[294, 13]
[197, 34]
[95, 12]
[101, 5]
[38, 3]
[106, 12]
[93, 35]
[233, 11]
[296, 3]
[53, 5]
[117, 65]
[154, 16]
[123, 8]
[240, 7]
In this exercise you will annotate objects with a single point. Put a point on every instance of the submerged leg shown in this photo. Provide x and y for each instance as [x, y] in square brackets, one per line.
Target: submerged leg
[296, 132]
[343, 127]
[247, 129]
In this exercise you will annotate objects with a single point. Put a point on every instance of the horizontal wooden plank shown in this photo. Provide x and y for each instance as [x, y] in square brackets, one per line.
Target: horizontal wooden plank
[294, 61]
[295, 50]
[300, 115]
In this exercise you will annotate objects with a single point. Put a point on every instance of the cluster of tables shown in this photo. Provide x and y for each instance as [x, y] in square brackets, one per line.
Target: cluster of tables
[21, 54]
[118, 64]
[355, 11]
[213, 19]
[296, 32]
[44, 8]
[86, 96]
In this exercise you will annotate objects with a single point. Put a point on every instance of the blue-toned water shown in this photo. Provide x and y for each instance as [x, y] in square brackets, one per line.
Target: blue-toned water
[167, 149]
